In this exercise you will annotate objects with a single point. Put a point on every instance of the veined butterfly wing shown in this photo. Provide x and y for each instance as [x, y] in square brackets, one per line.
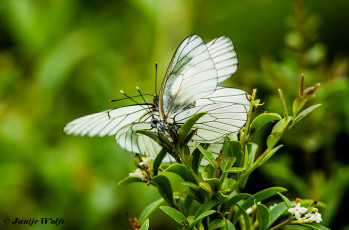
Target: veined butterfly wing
[106, 123]
[227, 110]
[194, 72]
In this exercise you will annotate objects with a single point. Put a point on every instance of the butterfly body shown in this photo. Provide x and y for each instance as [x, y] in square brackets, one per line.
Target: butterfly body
[190, 86]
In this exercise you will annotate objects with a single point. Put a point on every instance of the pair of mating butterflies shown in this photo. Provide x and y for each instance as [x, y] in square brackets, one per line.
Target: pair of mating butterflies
[190, 86]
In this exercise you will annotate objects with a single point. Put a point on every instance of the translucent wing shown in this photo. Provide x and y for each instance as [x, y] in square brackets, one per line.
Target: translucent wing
[128, 139]
[224, 57]
[133, 142]
[194, 72]
[106, 123]
[227, 110]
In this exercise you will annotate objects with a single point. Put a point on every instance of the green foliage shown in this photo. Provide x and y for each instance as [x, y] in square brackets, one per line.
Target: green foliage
[143, 217]
[63, 59]
[145, 226]
[263, 216]
[216, 188]
[164, 187]
[174, 214]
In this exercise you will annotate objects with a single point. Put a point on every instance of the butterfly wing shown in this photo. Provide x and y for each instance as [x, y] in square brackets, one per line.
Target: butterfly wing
[227, 110]
[106, 123]
[223, 54]
[128, 139]
[194, 72]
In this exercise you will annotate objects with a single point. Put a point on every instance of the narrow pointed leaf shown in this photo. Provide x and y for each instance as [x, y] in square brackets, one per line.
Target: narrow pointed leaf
[270, 154]
[208, 155]
[188, 124]
[299, 102]
[276, 212]
[216, 224]
[234, 170]
[150, 209]
[158, 159]
[206, 207]
[202, 216]
[174, 214]
[129, 180]
[145, 226]
[262, 120]
[149, 134]
[286, 200]
[164, 187]
[181, 171]
[304, 113]
[262, 216]
[315, 226]
[191, 185]
[259, 196]
[235, 199]
[246, 217]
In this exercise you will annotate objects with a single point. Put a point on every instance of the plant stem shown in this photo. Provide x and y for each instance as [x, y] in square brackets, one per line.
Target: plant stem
[280, 225]
[249, 170]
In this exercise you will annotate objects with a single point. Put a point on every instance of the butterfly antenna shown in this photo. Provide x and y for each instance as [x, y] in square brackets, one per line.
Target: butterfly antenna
[140, 93]
[156, 78]
[130, 99]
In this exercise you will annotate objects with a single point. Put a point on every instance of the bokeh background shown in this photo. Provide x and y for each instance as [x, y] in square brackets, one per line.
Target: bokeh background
[62, 59]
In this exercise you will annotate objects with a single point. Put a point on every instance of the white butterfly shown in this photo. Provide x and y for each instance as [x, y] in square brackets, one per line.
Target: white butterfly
[190, 86]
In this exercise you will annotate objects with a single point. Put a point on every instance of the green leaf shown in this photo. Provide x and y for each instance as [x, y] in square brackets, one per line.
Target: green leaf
[197, 156]
[145, 226]
[234, 170]
[233, 149]
[149, 134]
[262, 120]
[235, 199]
[283, 103]
[259, 196]
[246, 217]
[252, 150]
[214, 182]
[273, 139]
[188, 124]
[207, 187]
[174, 214]
[218, 223]
[186, 204]
[164, 187]
[158, 159]
[206, 207]
[262, 216]
[202, 216]
[129, 180]
[276, 212]
[270, 154]
[208, 155]
[150, 209]
[304, 113]
[280, 126]
[228, 225]
[191, 185]
[286, 200]
[315, 226]
[226, 162]
[299, 102]
[181, 171]
[277, 132]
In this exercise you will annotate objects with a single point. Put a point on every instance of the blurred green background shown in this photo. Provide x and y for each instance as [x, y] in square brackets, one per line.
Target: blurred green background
[62, 59]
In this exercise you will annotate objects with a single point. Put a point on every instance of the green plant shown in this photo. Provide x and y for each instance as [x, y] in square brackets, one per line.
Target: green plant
[213, 198]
